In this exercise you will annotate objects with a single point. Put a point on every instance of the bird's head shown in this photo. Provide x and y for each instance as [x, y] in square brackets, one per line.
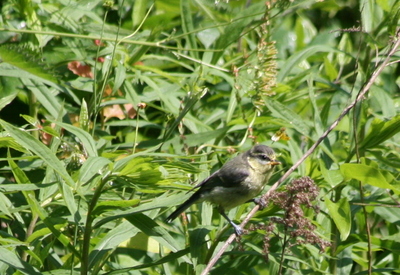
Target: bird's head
[262, 159]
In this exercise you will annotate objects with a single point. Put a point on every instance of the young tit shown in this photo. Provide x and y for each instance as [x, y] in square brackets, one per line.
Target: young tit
[238, 181]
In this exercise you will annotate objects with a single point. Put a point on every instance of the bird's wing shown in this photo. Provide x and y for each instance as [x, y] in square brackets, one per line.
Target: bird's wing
[233, 177]
[224, 178]
[213, 175]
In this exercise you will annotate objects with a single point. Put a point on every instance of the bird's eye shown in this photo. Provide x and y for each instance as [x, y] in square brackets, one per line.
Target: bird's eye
[264, 157]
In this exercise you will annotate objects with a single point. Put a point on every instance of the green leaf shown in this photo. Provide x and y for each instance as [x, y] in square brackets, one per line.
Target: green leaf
[381, 131]
[35, 146]
[188, 27]
[197, 240]
[298, 57]
[333, 177]
[5, 205]
[49, 222]
[367, 174]
[120, 76]
[368, 16]
[341, 214]
[186, 167]
[205, 137]
[58, 224]
[345, 46]
[11, 259]
[391, 215]
[91, 167]
[22, 187]
[6, 98]
[13, 72]
[330, 70]
[110, 241]
[149, 227]
[171, 257]
[386, 103]
[104, 206]
[142, 171]
[233, 31]
[160, 202]
[26, 60]
[208, 36]
[46, 96]
[138, 12]
[394, 16]
[21, 178]
[9, 142]
[51, 131]
[137, 164]
[32, 121]
[146, 177]
[190, 101]
[61, 272]
[281, 111]
[86, 139]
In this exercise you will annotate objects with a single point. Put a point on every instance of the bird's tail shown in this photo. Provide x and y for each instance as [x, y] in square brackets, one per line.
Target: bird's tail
[194, 198]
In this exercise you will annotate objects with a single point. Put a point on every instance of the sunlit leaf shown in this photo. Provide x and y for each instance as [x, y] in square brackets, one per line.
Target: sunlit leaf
[341, 215]
[10, 258]
[366, 174]
[26, 60]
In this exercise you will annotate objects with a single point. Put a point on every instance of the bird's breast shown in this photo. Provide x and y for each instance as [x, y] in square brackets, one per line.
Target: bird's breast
[229, 197]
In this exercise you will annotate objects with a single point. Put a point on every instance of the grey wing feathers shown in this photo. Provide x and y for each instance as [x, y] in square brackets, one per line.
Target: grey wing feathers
[224, 178]
[234, 177]
[231, 174]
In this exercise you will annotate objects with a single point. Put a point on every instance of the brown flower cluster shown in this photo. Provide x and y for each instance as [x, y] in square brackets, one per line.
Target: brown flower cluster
[294, 227]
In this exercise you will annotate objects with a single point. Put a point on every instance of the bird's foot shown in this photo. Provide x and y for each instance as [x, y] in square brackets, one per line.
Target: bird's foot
[238, 229]
[261, 202]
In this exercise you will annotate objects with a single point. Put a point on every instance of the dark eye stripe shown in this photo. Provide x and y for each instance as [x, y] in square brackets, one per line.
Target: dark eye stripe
[263, 157]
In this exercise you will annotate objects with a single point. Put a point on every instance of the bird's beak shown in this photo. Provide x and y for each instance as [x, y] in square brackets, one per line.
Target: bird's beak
[273, 163]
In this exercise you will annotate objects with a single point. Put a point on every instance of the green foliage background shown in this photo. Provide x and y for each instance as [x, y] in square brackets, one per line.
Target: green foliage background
[213, 78]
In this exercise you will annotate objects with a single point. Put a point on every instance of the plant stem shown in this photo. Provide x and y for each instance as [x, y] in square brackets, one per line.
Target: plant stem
[88, 228]
[285, 242]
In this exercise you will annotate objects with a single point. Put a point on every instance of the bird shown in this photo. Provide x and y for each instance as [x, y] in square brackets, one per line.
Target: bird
[238, 181]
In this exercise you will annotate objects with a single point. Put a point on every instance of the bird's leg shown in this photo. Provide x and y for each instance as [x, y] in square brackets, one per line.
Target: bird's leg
[237, 228]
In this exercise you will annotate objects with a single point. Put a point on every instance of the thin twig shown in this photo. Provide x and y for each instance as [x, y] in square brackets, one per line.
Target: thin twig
[376, 204]
[363, 92]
